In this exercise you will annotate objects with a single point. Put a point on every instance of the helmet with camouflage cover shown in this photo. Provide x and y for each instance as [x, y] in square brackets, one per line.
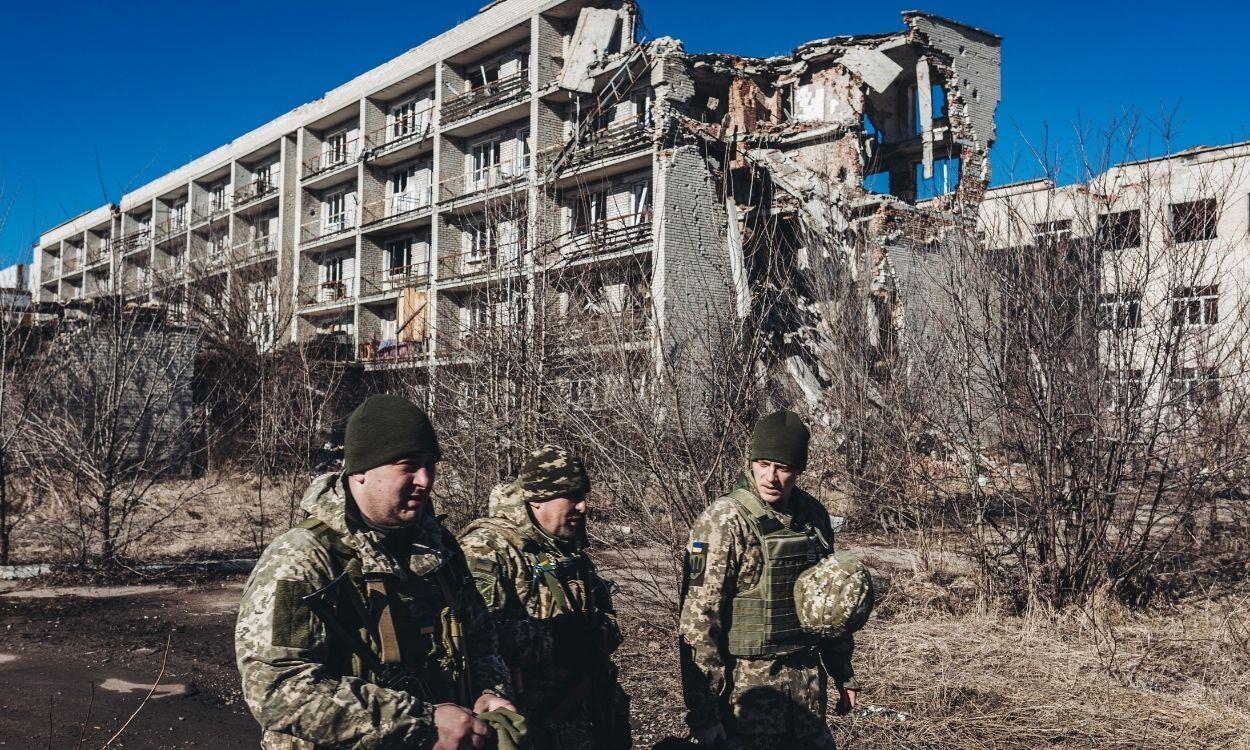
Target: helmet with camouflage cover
[834, 597]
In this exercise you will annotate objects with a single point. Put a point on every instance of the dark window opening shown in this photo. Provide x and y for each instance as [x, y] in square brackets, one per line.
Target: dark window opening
[1119, 231]
[1194, 221]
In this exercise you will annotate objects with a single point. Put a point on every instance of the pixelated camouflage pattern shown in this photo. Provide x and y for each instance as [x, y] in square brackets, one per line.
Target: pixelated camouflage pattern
[835, 596]
[290, 688]
[501, 551]
[550, 472]
[761, 702]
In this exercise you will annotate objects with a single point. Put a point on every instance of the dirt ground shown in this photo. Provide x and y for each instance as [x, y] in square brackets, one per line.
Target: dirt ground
[939, 668]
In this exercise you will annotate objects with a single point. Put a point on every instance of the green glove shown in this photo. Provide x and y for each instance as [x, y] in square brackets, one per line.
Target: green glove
[508, 726]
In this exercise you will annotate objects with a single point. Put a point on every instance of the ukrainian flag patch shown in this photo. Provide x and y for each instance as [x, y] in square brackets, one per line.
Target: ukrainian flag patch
[696, 561]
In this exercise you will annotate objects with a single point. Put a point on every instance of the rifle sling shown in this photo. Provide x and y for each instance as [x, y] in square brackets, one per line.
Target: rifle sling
[387, 636]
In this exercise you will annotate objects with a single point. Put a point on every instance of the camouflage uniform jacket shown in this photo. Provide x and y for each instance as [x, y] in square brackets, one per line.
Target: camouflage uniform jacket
[733, 563]
[502, 551]
[287, 658]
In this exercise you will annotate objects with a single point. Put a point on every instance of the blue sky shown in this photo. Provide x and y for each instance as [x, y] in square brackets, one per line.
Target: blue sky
[103, 97]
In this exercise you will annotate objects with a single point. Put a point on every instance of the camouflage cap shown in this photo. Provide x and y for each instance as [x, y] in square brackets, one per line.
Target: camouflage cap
[835, 596]
[551, 472]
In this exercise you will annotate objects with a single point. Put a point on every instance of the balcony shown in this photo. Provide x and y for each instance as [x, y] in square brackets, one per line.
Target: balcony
[335, 156]
[391, 351]
[50, 269]
[399, 277]
[397, 136]
[254, 191]
[253, 250]
[503, 176]
[396, 208]
[69, 264]
[612, 235]
[617, 139]
[129, 243]
[170, 228]
[600, 327]
[327, 292]
[327, 227]
[464, 265]
[217, 208]
[481, 98]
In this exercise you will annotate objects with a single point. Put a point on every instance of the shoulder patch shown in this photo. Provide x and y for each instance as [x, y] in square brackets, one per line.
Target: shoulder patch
[696, 561]
[292, 620]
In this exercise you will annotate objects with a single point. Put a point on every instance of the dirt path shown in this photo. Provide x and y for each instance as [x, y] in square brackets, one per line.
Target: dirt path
[58, 643]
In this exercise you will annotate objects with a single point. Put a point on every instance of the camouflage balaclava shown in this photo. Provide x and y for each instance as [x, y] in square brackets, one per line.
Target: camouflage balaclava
[551, 472]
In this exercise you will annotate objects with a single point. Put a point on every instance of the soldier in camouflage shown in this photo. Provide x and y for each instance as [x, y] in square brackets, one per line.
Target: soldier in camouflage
[419, 612]
[553, 613]
[751, 676]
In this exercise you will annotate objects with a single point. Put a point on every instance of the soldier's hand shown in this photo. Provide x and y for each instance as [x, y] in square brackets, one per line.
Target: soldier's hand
[488, 702]
[713, 736]
[458, 729]
[846, 701]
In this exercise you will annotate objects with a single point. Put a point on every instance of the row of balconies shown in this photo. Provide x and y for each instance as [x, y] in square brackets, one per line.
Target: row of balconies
[588, 328]
[619, 138]
[610, 236]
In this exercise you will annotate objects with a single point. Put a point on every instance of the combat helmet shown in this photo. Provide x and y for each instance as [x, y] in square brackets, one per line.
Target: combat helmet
[834, 597]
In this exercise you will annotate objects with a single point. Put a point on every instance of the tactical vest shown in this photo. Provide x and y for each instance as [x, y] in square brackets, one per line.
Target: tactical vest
[414, 623]
[764, 622]
[551, 571]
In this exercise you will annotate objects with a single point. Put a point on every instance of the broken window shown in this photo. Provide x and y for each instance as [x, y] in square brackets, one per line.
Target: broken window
[484, 159]
[1196, 387]
[643, 101]
[398, 256]
[1194, 221]
[1124, 388]
[1196, 306]
[1118, 311]
[640, 203]
[1119, 231]
[336, 148]
[589, 211]
[481, 240]
[1052, 233]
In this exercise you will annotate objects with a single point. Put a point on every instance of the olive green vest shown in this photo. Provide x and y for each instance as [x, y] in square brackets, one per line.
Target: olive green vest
[421, 614]
[763, 620]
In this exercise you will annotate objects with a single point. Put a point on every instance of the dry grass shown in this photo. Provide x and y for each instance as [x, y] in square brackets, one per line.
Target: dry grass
[969, 676]
[1173, 678]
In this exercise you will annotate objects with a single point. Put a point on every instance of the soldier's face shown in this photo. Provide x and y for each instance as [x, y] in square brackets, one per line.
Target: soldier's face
[774, 479]
[394, 494]
[561, 517]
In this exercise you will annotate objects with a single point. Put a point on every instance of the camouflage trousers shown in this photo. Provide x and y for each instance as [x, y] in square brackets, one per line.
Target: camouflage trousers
[779, 704]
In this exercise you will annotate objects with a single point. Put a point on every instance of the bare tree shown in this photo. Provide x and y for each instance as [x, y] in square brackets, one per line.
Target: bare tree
[114, 416]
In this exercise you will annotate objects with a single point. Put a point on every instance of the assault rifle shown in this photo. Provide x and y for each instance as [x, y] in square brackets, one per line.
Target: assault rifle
[325, 603]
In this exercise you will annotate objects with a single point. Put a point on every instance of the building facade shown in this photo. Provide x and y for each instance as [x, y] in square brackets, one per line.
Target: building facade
[1163, 250]
[410, 210]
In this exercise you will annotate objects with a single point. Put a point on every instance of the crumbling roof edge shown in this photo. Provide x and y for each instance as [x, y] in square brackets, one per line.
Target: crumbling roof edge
[1023, 186]
[951, 22]
[1192, 151]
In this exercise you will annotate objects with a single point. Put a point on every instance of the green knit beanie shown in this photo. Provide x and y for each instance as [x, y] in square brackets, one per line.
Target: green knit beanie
[384, 429]
[782, 437]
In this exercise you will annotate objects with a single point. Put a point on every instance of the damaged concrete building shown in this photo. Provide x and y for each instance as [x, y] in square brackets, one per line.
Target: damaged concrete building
[551, 137]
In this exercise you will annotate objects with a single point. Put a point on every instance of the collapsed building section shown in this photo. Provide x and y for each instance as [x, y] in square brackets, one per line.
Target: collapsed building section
[823, 177]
